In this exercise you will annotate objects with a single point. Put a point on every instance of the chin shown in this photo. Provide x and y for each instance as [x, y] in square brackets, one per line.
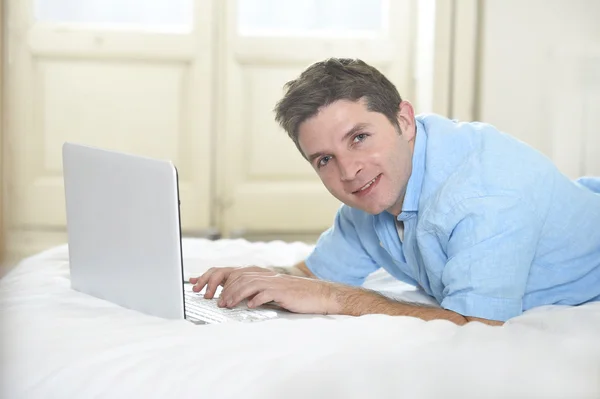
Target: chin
[373, 207]
[372, 210]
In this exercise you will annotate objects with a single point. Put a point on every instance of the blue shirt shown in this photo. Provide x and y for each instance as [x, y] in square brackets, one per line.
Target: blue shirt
[491, 227]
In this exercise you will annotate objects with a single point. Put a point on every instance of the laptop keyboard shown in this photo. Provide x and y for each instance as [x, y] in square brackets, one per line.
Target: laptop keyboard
[207, 310]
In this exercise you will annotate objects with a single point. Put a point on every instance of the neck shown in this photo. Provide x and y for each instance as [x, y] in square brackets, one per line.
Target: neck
[396, 209]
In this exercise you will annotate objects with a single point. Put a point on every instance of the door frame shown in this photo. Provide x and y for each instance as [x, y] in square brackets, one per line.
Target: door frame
[456, 69]
[3, 169]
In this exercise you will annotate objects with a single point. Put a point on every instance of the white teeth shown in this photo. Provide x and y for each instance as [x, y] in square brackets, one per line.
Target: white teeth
[368, 184]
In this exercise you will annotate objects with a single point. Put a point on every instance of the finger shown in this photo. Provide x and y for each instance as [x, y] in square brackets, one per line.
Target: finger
[203, 280]
[235, 278]
[232, 289]
[200, 282]
[193, 280]
[261, 298]
[214, 281]
[227, 290]
[243, 288]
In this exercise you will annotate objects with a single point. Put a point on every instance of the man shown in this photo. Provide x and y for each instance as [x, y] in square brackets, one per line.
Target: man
[480, 221]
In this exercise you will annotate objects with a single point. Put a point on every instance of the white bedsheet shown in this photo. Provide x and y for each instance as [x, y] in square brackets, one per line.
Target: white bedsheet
[57, 343]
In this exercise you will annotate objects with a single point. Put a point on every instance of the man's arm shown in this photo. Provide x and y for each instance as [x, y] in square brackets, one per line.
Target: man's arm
[485, 321]
[359, 302]
[311, 295]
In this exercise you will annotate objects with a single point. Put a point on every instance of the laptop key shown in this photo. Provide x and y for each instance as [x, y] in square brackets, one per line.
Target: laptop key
[208, 310]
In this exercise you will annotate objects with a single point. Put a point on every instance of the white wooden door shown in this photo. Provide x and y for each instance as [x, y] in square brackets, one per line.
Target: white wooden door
[264, 184]
[128, 75]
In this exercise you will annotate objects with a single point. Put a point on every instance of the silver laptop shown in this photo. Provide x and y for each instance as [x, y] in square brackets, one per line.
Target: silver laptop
[124, 236]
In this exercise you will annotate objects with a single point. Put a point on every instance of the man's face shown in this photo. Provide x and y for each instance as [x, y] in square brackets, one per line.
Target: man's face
[359, 155]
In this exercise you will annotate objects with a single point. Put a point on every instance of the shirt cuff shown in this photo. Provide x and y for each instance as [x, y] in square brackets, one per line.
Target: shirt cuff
[500, 309]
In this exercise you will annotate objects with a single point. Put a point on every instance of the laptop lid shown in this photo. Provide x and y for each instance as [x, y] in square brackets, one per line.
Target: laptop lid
[123, 225]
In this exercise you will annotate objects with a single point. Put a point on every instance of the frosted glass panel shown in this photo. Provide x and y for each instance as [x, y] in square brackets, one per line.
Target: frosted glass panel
[310, 17]
[137, 14]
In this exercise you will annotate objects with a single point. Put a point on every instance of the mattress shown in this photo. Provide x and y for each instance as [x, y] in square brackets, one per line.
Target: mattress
[58, 343]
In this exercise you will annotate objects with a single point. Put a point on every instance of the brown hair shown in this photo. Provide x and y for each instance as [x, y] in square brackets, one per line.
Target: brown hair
[331, 80]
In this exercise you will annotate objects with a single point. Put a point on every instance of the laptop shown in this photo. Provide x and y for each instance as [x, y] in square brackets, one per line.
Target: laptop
[124, 237]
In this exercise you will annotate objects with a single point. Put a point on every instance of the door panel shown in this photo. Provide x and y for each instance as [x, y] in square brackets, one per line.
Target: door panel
[100, 104]
[137, 87]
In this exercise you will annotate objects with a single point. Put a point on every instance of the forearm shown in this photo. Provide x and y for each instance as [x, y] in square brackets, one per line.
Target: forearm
[358, 302]
[299, 270]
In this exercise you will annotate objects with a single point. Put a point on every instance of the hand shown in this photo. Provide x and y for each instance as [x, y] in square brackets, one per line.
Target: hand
[296, 294]
[216, 276]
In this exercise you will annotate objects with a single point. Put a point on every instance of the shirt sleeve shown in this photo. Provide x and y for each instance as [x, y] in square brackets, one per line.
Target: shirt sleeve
[339, 255]
[490, 250]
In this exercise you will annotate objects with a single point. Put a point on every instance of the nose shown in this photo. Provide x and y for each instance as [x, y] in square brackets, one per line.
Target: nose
[349, 168]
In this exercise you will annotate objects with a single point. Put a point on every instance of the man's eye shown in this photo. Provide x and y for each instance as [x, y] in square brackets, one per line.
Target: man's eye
[360, 138]
[323, 161]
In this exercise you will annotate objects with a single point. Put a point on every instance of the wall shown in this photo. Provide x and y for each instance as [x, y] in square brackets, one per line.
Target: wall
[535, 76]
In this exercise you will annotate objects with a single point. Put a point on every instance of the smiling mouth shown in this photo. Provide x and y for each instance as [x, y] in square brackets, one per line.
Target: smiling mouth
[367, 186]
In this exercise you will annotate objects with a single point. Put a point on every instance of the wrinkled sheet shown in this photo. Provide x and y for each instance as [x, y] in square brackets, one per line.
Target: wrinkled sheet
[58, 343]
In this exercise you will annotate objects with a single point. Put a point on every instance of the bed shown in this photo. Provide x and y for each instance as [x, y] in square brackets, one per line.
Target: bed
[58, 343]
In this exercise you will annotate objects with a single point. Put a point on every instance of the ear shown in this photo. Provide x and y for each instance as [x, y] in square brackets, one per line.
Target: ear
[406, 120]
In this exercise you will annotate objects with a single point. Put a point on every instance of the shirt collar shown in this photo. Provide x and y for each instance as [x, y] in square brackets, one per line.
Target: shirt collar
[415, 182]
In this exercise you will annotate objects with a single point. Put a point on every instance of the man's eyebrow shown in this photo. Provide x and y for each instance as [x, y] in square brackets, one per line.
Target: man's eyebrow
[356, 128]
